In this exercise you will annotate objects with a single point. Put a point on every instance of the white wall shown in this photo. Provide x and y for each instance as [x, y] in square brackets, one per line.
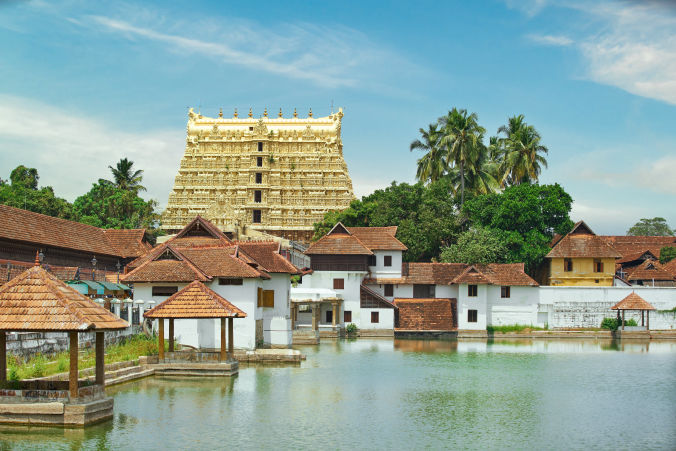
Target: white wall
[277, 320]
[380, 270]
[478, 303]
[520, 308]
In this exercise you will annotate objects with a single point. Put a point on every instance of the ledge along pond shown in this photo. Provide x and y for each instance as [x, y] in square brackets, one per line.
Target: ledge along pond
[402, 394]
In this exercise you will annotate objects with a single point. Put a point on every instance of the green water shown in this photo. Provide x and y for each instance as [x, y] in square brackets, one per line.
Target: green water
[384, 394]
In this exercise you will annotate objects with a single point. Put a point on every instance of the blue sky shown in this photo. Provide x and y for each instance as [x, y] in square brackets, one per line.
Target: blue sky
[84, 84]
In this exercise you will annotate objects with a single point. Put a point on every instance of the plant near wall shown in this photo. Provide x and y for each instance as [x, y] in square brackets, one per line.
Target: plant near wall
[351, 329]
[610, 323]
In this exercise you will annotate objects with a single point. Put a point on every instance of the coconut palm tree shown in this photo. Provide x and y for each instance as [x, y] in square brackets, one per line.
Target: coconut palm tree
[523, 160]
[431, 166]
[462, 140]
[124, 177]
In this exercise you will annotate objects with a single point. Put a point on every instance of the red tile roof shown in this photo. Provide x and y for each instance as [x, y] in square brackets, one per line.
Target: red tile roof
[472, 275]
[648, 270]
[670, 267]
[338, 244]
[378, 238]
[633, 302]
[266, 254]
[583, 242]
[512, 274]
[628, 245]
[29, 227]
[366, 292]
[195, 301]
[343, 240]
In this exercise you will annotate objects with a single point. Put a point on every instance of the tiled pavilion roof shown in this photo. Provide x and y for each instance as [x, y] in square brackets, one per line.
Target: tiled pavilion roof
[37, 301]
[195, 301]
[633, 302]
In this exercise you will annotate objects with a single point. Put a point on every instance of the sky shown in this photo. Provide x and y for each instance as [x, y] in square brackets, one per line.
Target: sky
[83, 84]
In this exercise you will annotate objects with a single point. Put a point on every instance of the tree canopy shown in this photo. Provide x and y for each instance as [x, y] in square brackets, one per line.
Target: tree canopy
[651, 227]
[23, 192]
[667, 254]
[477, 245]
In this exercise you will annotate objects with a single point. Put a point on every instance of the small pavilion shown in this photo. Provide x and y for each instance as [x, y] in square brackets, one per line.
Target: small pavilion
[196, 301]
[36, 301]
[635, 302]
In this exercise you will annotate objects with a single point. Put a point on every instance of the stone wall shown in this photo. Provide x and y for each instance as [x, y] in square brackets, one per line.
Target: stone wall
[425, 314]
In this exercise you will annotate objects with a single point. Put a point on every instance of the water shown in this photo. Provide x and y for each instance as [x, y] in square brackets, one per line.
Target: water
[402, 394]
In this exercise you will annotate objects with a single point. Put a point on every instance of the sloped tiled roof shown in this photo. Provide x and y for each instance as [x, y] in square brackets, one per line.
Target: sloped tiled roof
[472, 275]
[670, 267]
[432, 273]
[513, 274]
[195, 301]
[366, 292]
[649, 270]
[266, 254]
[378, 238]
[633, 302]
[582, 242]
[220, 262]
[338, 244]
[631, 257]
[165, 271]
[627, 245]
[38, 301]
[128, 242]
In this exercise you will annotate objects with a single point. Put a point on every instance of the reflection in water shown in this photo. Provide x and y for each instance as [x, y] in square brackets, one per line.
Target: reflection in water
[500, 393]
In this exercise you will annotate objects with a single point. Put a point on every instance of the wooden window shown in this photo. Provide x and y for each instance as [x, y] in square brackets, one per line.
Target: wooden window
[505, 292]
[258, 196]
[387, 260]
[375, 317]
[338, 284]
[256, 216]
[389, 289]
[472, 291]
[260, 147]
[567, 264]
[226, 281]
[423, 291]
[259, 302]
[268, 298]
[372, 260]
[164, 291]
[259, 177]
[329, 316]
[347, 316]
[598, 265]
[471, 316]
[259, 162]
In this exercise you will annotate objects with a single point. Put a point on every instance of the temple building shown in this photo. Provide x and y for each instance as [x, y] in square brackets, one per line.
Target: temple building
[272, 175]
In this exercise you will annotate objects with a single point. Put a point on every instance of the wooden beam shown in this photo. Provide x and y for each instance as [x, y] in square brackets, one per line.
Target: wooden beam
[3, 356]
[231, 335]
[334, 314]
[73, 376]
[171, 334]
[100, 359]
[160, 344]
[223, 355]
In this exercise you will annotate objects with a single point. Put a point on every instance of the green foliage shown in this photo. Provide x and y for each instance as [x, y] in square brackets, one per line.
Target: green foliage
[25, 177]
[630, 322]
[477, 245]
[651, 227]
[295, 280]
[610, 323]
[667, 254]
[525, 217]
[23, 193]
[426, 216]
[62, 362]
[513, 328]
[124, 176]
[351, 328]
[38, 364]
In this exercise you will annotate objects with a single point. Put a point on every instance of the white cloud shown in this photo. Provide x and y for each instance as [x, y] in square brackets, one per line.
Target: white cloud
[71, 150]
[365, 186]
[659, 175]
[548, 39]
[606, 219]
[531, 8]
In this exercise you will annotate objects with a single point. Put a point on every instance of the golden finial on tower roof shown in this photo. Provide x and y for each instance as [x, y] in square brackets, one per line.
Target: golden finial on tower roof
[250, 112]
[265, 112]
[280, 112]
[235, 115]
[220, 112]
[295, 114]
[310, 113]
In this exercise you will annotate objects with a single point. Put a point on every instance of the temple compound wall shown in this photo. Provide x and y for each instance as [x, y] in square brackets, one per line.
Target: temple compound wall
[274, 175]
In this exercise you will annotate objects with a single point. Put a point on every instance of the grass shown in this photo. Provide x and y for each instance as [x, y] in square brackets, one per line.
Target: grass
[40, 365]
[521, 328]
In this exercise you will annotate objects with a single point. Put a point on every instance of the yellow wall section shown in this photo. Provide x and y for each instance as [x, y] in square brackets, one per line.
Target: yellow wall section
[582, 274]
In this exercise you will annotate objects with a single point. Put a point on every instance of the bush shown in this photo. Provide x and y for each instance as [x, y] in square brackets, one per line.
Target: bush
[38, 366]
[630, 322]
[351, 328]
[610, 323]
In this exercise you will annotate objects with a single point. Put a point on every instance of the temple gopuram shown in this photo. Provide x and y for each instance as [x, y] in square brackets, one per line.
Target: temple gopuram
[272, 175]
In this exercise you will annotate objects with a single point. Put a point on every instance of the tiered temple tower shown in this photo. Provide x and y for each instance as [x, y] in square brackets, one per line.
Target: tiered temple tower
[275, 175]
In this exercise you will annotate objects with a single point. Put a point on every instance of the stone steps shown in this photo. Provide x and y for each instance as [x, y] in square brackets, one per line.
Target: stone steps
[129, 376]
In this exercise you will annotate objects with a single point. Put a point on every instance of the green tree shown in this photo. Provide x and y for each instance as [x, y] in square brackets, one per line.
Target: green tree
[23, 192]
[651, 227]
[462, 138]
[431, 166]
[476, 246]
[667, 254]
[425, 214]
[522, 159]
[124, 176]
[25, 177]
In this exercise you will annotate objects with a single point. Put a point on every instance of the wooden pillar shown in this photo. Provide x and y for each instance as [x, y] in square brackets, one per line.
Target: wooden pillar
[100, 359]
[160, 344]
[3, 356]
[648, 320]
[231, 342]
[223, 356]
[315, 323]
[642, 317]
[73, 376]
[293, 316]
[622, 319]
[335, 314]
[171, 334]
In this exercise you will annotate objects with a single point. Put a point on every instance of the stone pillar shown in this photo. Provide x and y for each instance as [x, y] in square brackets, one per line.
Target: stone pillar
[160, 344]
[171, 334]
[231, 342]
[293, 316]
[223, 355]
[100, 359]
[73, 376]
[622, 319]
[335, 314]
[3, 356]
[315, 322]
[647, 320]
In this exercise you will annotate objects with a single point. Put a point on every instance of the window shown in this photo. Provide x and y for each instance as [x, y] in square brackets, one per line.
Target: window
[338, 284]
[372, 260]
[268, 298]
[164, 291]
[257, 196]
[329, 316]
[256, 216]
[259, 302]
[471, 316]
[260, 147]
[504, 292]
[567, 264]
[387, 260]
[347, 316]
[423, 291]
[389, 289]
[259, 177]
[375, 317]
[259, 162]
[226, 281]
[598, 265]
[472, 291]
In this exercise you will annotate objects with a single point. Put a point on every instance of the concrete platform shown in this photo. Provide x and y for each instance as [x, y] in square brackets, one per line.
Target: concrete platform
[57, 413]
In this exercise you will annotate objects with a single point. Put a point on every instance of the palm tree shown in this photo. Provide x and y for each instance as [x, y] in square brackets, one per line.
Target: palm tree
[461, 139]
[431, 166]
[125, 177]
[522, 160]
